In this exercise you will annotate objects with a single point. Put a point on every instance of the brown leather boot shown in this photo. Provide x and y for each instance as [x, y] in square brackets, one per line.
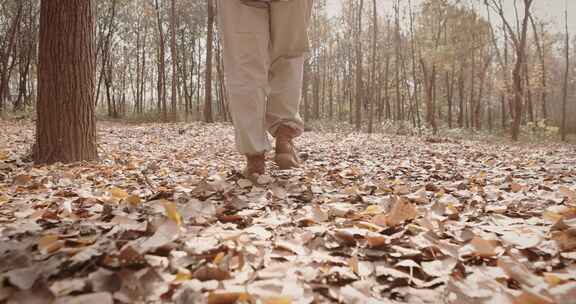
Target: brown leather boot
[255, 166]
[286, 155]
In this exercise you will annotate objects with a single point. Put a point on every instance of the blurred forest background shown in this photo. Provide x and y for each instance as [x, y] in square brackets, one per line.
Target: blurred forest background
[420, 67]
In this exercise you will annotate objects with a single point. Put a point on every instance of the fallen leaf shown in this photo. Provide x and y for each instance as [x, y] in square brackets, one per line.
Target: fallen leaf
[94, 298]
[49, 244]
[207, 273]
[227, 297]
[172, 212]
[22, 179]
[118, 193]
[167, 233]
[66, 287]
[277, 300]
[134, 200]
[483, 248]
[401, 211]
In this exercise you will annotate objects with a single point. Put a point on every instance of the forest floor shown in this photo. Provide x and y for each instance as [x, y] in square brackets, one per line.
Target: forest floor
[165, 217]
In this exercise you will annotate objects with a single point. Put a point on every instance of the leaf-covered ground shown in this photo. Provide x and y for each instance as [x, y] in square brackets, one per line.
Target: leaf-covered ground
[165, 217]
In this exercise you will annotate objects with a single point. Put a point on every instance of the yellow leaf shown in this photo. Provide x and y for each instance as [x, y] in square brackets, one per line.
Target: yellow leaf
[373, 210]
[172, 212]
[278, 300]
[3, 199]
[183, 276]
[369, 226]
[118, 193]
[49, 244]
[133, 200]
[219, 258]
[353, 263]
[3, 155]
[553, 279]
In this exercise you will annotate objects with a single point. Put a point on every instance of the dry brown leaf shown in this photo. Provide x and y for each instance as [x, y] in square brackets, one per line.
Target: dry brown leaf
[401, 211]
[377, 241]
[118, 193]
[207, 273]
[22, 179]
[277, 300]
[227, 297]
[565, 239]
[134, 200]
[484, 248]
[49, 244]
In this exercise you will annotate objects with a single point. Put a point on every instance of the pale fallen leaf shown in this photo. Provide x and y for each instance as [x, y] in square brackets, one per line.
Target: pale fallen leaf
[518, 272]
[66, 287]
[23, 278]
[94, 298]
[166, 234]
[523, 238]
[530, 297]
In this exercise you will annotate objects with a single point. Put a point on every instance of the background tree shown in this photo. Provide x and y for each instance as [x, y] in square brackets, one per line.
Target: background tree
[425, 66]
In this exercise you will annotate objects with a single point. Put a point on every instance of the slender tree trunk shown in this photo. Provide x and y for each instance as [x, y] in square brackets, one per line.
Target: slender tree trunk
[566, 78]
[209, 48]
[174, 51]
[5, 56]
[161, 66]
[373, 83]
[359, 68]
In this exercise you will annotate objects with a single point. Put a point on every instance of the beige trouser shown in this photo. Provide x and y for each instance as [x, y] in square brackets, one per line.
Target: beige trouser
[263, 51]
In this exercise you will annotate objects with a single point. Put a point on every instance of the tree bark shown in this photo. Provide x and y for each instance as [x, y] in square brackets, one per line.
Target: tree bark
[66, 126]
[174, 51]
[209, 48]
[566, 77]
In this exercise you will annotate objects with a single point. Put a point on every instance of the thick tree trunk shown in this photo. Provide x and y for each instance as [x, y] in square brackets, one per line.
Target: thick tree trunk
[66, 126]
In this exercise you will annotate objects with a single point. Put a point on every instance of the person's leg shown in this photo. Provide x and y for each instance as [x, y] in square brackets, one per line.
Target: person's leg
[289, 24]
[245, 34]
